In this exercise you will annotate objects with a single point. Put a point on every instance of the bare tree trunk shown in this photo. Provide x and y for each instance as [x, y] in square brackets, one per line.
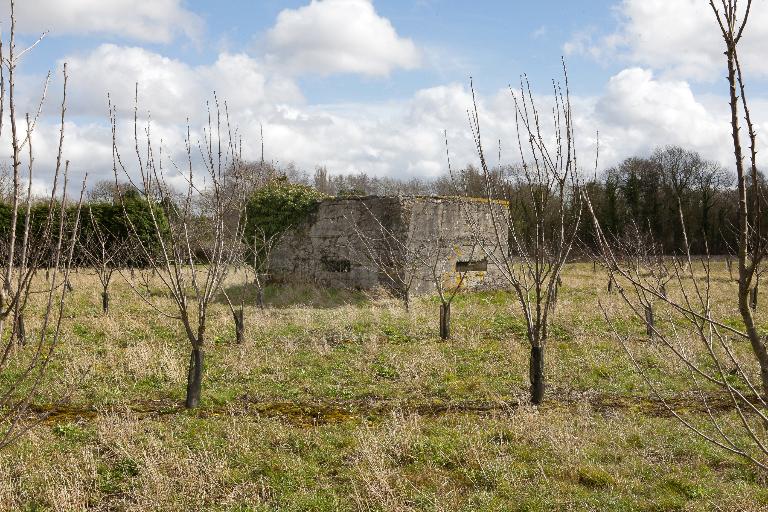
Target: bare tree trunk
[649, 323]
[260, 297]
[536, 374]
[105, 301]
[555, 289]
[756, 341]
[259, 290]
[194, 378]
[19, 330]
[239, 325]
[745, 274]
[753, 297]
[445, 320]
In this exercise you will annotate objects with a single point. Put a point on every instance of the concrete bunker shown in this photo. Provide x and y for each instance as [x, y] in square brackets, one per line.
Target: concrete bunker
[361, 242]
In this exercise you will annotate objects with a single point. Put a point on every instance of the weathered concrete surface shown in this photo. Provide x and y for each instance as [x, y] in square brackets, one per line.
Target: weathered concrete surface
[374, 241]
[452, 230]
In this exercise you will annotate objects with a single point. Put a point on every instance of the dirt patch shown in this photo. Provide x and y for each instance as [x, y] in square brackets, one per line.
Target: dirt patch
[312, 414]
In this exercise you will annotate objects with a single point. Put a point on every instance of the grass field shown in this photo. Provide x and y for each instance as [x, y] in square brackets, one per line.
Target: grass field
[341, 401]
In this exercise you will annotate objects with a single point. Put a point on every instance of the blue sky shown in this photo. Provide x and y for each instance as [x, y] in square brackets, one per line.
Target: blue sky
[369, 85]
[494, 41]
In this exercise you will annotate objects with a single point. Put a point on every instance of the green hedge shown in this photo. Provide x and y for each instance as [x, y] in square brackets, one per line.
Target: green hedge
[109, 218]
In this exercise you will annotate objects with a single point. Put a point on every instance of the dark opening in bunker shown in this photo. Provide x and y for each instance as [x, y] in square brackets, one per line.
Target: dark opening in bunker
[472, 266]
[330, 265]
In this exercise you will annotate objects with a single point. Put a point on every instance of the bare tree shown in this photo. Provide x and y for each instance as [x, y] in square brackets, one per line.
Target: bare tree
[104, 252]
[751, 244]
[321, 182]
[107, 191]
[678, 168]
[447, 283]
[383, 247]
[261, 252]
[25, 250]
[545, 211]
[256, 273]
[191, 267]
[422, 256]
[238, 313]
[710, 179]
[707, 350]
[258, 240]
[6, 183]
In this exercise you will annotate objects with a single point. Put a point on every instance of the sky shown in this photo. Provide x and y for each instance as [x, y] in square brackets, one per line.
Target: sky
[373, 85]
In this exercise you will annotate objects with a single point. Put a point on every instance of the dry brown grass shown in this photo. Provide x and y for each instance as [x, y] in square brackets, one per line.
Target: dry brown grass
[342, 402]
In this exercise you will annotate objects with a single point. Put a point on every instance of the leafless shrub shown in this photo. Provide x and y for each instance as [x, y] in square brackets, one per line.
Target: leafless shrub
[261, 252]
[254, 273]
[447, 284]
[6, 183]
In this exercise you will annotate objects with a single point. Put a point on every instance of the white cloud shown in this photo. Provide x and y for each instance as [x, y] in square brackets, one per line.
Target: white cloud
[339, 36]
[642, 107]
[681, 38]
[155, 21]
[170, 89]
[540, 32]
[583, 43]
[670, 45]
[637, 112]
[684, 37]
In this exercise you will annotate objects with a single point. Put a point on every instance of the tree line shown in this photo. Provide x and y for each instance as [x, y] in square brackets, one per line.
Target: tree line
[641, 193]
[649, 195]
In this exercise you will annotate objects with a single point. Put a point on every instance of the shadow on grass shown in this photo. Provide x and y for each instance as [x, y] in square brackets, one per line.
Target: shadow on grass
[285, 296]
